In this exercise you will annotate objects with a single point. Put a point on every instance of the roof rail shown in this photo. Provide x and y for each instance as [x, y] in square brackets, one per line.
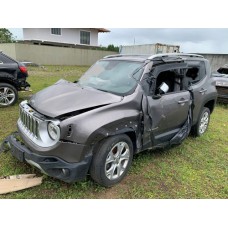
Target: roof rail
[111, 56]
[163, 55]
[122, 55]
[174, 54]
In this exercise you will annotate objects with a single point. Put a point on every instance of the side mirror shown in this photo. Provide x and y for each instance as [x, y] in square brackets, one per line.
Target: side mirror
[163, 87]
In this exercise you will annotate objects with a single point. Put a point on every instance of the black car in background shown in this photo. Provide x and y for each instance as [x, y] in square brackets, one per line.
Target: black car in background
[13, 75]
[221, 78]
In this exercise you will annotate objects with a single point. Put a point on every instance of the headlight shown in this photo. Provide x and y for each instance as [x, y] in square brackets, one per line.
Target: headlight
[53, 131]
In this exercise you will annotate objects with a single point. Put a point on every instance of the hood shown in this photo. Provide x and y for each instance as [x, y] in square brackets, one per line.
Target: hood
[65, 97]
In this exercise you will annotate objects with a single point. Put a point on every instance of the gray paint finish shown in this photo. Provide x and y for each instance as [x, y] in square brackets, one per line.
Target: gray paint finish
[87, 117]
[63, 97]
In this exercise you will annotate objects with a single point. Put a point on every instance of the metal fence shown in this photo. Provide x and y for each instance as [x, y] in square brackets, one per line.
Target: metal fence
[216, 60]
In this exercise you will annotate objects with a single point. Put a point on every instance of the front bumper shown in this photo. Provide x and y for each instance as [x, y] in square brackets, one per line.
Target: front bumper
[50, 165]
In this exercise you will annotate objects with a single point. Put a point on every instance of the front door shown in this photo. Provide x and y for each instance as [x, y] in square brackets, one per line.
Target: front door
[168, 113]
[167, 110]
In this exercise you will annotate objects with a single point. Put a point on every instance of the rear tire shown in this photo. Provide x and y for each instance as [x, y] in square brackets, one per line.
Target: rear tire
[202, 125]
[112, 160]
[8, 95]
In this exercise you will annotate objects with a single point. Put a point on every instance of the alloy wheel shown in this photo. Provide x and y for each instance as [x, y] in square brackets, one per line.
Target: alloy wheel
[204, 123]
[117, 160]
[7, 96]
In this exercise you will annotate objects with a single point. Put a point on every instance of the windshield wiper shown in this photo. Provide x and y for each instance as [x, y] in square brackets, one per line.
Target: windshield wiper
[106, 91]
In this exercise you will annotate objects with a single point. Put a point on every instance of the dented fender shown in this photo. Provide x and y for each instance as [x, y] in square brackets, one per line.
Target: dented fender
[94, 125]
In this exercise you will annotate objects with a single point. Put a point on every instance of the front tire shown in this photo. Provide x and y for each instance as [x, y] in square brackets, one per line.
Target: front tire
[112, 160]
[202, 125]
[8, 95]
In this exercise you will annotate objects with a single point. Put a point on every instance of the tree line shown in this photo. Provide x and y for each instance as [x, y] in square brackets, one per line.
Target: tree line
[6, 36]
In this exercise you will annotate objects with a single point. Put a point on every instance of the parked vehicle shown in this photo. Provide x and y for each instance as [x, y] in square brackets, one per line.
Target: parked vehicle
[13, 75]
[221, 78]
[121, 106]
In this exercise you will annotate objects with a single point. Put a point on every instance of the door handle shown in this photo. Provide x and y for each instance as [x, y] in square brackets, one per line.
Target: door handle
[182, 101]
[203, 90]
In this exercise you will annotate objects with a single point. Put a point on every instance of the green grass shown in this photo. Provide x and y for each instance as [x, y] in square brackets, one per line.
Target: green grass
[198, 168]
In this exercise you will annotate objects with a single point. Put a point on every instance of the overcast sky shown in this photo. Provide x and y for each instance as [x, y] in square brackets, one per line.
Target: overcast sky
[190, 40]
[197, 40]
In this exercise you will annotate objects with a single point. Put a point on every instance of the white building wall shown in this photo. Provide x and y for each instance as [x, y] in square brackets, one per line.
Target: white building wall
[68, 35]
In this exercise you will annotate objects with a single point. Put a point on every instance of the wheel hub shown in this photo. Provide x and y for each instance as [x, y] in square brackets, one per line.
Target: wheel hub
[204, 123]
[117, 160]
[7, 96]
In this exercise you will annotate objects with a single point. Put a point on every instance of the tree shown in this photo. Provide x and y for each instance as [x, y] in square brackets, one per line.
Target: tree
[6, 36]
[111, 47]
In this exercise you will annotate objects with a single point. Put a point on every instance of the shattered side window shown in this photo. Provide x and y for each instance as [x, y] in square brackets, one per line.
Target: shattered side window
[172, 80]
[195, 72]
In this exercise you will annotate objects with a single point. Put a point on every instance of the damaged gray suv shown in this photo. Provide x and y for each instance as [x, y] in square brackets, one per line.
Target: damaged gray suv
[121, 106]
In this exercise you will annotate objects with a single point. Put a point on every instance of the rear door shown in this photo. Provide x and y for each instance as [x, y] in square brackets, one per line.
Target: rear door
[196, 77]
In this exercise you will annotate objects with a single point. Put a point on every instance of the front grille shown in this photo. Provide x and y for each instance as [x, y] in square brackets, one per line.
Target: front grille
[34, 125]
[29, 122]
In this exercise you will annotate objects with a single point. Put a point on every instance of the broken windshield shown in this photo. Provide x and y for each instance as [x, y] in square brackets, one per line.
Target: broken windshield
[113, 76]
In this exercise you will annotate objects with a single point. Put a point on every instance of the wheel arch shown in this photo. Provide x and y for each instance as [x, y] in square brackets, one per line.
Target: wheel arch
[210, 105]
[7, 78]
[130, 132]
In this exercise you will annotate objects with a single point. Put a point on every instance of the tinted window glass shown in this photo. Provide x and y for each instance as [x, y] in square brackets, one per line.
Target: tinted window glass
[56, 31]
[5, 59]
[84, 37]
